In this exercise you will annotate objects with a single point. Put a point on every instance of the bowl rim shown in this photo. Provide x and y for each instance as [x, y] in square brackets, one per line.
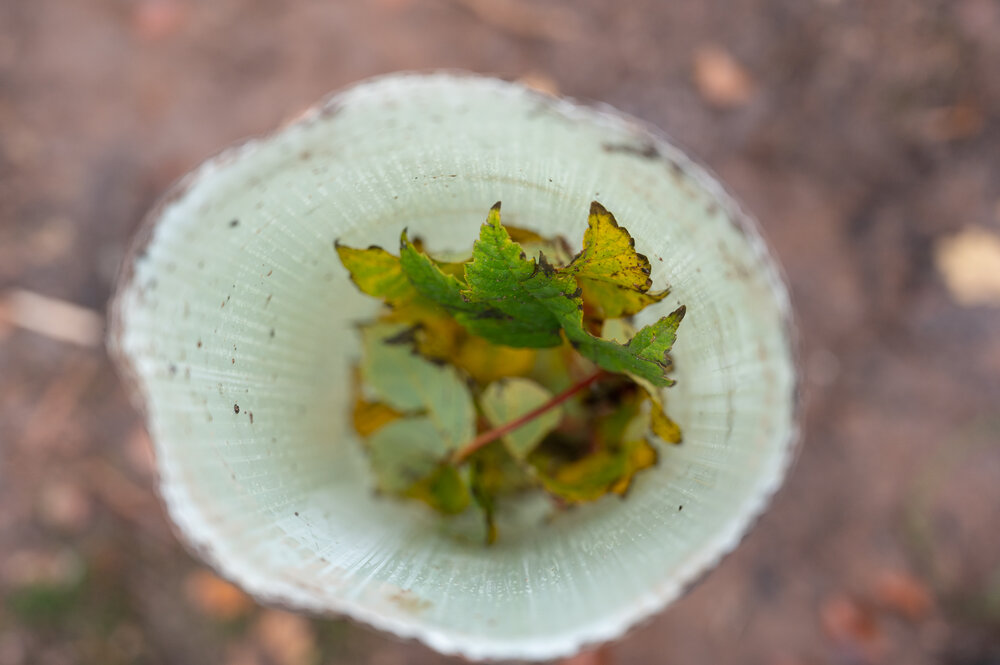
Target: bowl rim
[651, 143]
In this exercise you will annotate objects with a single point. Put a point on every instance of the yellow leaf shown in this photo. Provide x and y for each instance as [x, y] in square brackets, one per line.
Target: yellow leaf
[597, 474]
[639, 455]
[369, 417]
[585, 480]
[609, 300]
[524, 236]
[486, 362]
[613, 277]
[618, 451]
[378, 273]
[439, 336]
[663, 426]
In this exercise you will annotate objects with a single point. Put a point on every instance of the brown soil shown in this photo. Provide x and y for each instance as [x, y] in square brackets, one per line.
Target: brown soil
[862, 134]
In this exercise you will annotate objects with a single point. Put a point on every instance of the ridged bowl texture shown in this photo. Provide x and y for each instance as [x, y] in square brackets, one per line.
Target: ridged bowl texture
[235, 324]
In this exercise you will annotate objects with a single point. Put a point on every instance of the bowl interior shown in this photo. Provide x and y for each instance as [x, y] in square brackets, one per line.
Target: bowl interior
[237, 322]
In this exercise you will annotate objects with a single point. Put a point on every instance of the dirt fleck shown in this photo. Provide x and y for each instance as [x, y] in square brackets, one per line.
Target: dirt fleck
[645, 150]
[408, 601]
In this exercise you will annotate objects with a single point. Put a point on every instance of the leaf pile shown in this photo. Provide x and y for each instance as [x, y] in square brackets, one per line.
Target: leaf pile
[501, 373]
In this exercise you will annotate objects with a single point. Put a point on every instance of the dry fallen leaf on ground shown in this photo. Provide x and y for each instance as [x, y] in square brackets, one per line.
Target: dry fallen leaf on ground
[721, 80]
[852, 625]
[59, 568]
[539, 81]
[969, 262]
[242, 653]
[215, 597]
[64, 505]
[904, 594]
[599, 657]
[288, 639]
[946, 123]
[153, 20]
[526, 19]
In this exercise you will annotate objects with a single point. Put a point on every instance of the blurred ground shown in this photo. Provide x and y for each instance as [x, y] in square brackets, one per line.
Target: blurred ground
[865, 135]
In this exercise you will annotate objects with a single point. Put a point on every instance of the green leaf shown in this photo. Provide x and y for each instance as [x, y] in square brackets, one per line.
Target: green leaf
[655, 341]
[607, 471]
[406, 452]
[505, 401]
[494, 472]
[482, 319]
[618, 450]
[496, 277]
[408, 383]
[613, 276]
[486, 500]
[478, 315]
[644, 355]
[444, 490]
[430, 281]
[500, 274]
[662, 425]
[406, 456]
[514, 301]
[523, 287]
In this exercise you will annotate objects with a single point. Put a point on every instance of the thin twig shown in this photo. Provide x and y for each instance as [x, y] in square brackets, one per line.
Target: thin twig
[492, 435]
[53, 318]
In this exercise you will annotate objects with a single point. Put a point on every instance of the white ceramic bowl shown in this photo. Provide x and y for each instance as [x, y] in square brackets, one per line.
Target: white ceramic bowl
[233, 319]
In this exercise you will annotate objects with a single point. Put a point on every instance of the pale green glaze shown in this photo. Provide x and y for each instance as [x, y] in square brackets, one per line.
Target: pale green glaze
[259, 314]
